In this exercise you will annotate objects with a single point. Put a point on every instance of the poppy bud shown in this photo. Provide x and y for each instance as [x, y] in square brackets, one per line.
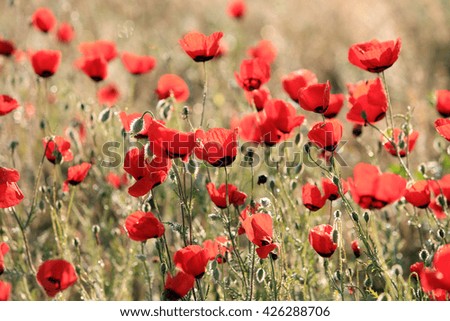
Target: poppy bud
[335, 236]
[366, 217]
[355, 217]
[441, 233]
[262, 179]
[357, 130]
[423, 254]
[337, 214]
[137, 125]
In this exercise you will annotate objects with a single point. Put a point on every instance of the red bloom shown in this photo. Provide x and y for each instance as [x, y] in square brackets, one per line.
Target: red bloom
[65, 33]
[236, 9]
[259, 231]
[43, 19]
[117, 181]
[442, 102]
[217, 248]
[10, 193]
[57, 149]
[312, 198]
[94, 67]
[5, 290]
[7, 104]
[264, 50]
[356, 249]
[438, 277]
[127, 120]
[253, 73]
[282, 115]
[331, 190]
[368, 102]
[315, 97]
[256, 128]
[442, 126]
[192, 260]
[321, 240]
[326, 134]
[46, 62]
[374, 56]
[177, 287]
[372, 189]
[416, 268]
[147, 174]
[296, 80]
[100, 49]
[76, 174]
[404, 143]
[56, 276]
[258, 97]
[419, 194]
[108, 95]
[142, 226]
[334, 106]
[7, 47]
[218, 196]
[217, 146]
[172, 85]
[4, 248]
[200, 47]
[137, 65]
[246, 212]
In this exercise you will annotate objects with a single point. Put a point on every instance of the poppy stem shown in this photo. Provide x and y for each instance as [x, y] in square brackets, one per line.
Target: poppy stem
[147, 271]
[69, 207]
[205, 92]
[25, 240]
[383, 78]
[273, 281]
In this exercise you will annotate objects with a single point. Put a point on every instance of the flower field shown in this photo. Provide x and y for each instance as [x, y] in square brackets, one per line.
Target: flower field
[224, 150]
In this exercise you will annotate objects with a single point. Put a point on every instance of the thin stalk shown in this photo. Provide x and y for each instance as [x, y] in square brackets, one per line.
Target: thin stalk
[205, 92]
[25, 241]
[274, 281]
[147, 271]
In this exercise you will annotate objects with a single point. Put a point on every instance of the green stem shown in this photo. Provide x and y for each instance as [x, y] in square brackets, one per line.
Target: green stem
[205, 92]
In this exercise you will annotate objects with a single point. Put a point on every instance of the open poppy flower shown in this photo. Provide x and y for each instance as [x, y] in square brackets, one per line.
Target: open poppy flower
[437, 278]
[192, 260]
[372, 189]
[258, 97]
[76, 174]
[99, 49]
[404, 143]
[296, 80]
[200, 47]
[282, 115]
[117, 181]
[46, 62]
[142, 226]
[326, 134]
[442, 126]
[56, 276]
[217, 248]
[331, 190]
[443, 102]
[312, 198]
[94, 67]
[419, 194]
[253, 73]
[374, 56]
[7, 104]
[218, 196]
[334, 106]
[4, 248]
[236, 9]
[108, 95]
[178, 286]
[256, 128]
[137, 65]
[172, 85]
[315, 97]
[217, 146]
[10, 193]
[7, 47]
[321, 240]
[65, 33]
[259, 230]
[5, 290]
[246, 212]
[43, 19]
[57, 149]
[264, 50]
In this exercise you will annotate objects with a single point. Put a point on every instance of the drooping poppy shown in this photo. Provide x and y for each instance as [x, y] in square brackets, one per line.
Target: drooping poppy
[404, 143]
[10, 193]
[264, 50]
[253, 74]
[7, 104]
[236, 9]
[65, 33]
[117, 181]
[56, 276]
[108, 95]
[5, 290]
[375, 56]
[372, 189]
[356, 249]
[43, 19]
[178, 286]
[127, 121]
[57, 149]
[259, 230]
[76, 174]
[217, 248]
[334, 106]
[442, 126]
[282, 115]
[368, 102]
[94, 67]
[315, 97]
[258, 97]
[142, 226]
[4, 248]
[321, 240]
[296, 80]
[218, 196]
[331, 191]
[137, 65]
[172, 85]
[326, 134]
[438, 276]
[46, 62]
[192, 260]
[99, 49]
[443, 102]
[200, 47]
[217, 146]
[312, 198]
[419, 194]
[7, 47]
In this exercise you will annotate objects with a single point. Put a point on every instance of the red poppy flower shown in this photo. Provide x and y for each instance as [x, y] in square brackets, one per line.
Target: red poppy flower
[416, 268]
[419, 194]
[442, 126]
[217, 146]
[192, 260]
[355, 248]
[147, 174]
[142, 226]
[94, 67]
[117, 181]
[256, 128]
[404, 143]
[223, 49]
[438, 276]
[372, 189]
[76, 174]
[172, 85]
[177, 287]
[100, 49]
[200, 47]
[236, 9]
[326, 134]
[65, 33]
[5, 290]
[374, 56]
[334, 106]
[43, 19]
[4, 248]
[258, 97]
[296, 80]
[10, 193]
[217, 248]
[57, 149]
[368, 102]
[7, 104]
[56, 276]
[330, 190]
[321, 240]
[312, 197]
[246, 212]
[218, 196]
[46, 62]
[253, 73]
[108, 95]
[442, 102]
[264, 50]
[137, 65]
[282, 115]
[7, 47]
[315, 97]
[259, 231]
